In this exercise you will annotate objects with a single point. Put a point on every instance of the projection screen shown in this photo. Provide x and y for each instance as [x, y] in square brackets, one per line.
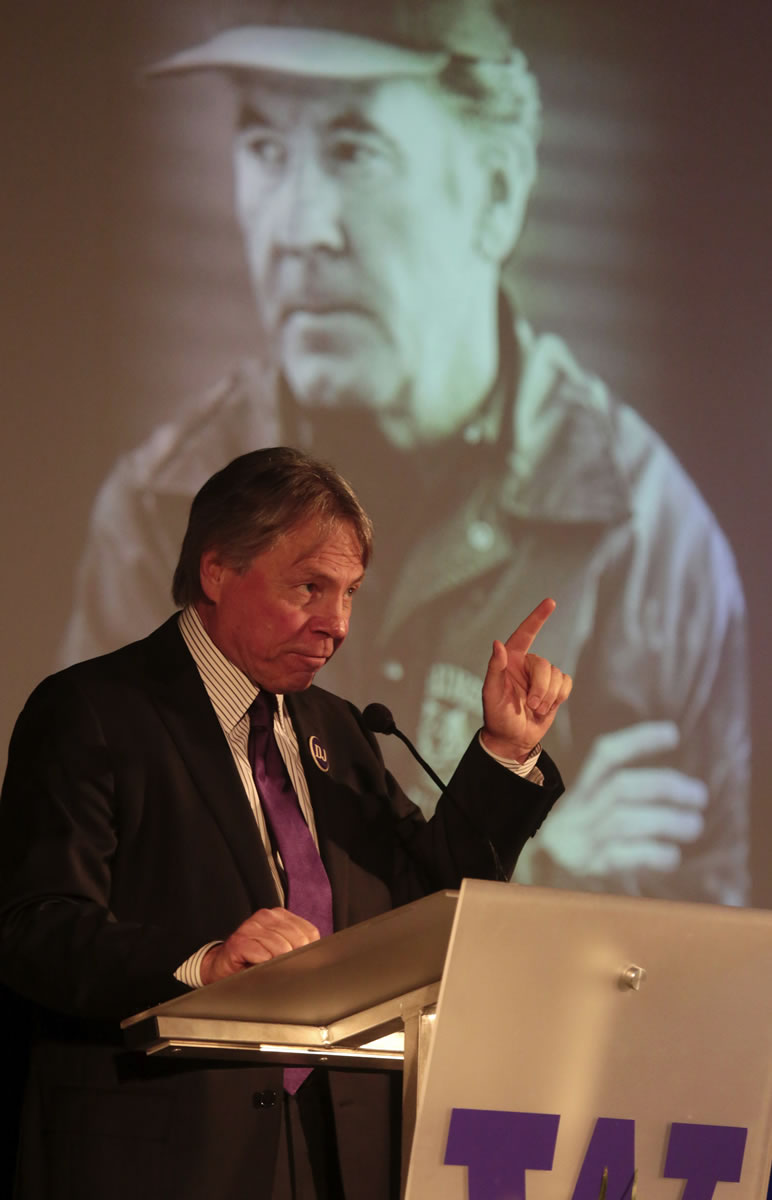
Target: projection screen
[526, 314]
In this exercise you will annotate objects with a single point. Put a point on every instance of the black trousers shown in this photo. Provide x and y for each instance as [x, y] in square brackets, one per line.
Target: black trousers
[307, 1161]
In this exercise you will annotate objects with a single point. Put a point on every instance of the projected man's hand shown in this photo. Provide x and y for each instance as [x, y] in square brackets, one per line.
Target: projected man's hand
[622, 814]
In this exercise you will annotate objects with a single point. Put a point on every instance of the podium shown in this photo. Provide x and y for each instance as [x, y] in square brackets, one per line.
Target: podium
[545, 1036]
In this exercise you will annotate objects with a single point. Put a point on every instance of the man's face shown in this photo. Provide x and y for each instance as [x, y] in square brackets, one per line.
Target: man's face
[283, 618]
[361, 208]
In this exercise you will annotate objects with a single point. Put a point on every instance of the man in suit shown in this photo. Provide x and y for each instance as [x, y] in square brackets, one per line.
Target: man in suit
[141, 852]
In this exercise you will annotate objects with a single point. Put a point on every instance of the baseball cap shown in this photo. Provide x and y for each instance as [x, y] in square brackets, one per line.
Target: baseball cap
[350, 39]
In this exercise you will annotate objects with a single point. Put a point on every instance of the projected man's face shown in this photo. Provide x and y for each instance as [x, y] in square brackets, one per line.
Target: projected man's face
[363, 207]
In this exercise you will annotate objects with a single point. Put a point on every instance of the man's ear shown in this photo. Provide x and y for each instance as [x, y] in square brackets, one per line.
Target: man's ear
[211, 570]
[509, 165]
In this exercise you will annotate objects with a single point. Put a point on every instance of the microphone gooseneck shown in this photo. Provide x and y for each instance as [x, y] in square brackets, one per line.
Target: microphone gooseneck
[378, 719]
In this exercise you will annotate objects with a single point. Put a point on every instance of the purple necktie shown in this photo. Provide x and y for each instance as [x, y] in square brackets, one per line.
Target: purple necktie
[307, 886]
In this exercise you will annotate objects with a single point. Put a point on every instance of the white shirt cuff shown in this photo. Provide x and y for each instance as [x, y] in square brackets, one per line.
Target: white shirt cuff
[189, 972]
[526, 770]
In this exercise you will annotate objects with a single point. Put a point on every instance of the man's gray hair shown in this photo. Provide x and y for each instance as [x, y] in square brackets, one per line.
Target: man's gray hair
[245, 508]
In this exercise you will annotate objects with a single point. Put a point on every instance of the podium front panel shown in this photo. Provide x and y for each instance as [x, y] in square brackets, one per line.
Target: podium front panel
[575, 1031]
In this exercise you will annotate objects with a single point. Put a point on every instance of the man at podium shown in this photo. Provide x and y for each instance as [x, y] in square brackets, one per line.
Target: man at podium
[192, 804]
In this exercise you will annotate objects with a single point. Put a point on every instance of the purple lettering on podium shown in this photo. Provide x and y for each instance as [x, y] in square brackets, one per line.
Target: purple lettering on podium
[612, 1146]
[704, 1155]
[498, 1148]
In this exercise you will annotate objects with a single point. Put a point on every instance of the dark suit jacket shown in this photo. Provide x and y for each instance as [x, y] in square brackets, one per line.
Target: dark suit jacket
[126, 842]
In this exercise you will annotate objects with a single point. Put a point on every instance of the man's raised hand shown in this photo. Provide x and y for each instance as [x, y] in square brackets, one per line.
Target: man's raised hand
[522, 692]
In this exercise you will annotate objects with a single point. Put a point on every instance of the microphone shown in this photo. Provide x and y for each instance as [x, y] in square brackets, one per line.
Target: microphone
[378, 719]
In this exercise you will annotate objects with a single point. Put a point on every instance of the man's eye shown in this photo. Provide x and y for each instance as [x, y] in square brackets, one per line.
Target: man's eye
[266, 149]
[350, 151]
[360, 154]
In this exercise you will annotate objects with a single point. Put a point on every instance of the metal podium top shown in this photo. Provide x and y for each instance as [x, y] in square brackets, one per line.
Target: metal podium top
[332, 991]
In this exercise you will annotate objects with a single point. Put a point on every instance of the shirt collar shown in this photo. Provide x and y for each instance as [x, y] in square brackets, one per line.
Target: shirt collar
[230, 691]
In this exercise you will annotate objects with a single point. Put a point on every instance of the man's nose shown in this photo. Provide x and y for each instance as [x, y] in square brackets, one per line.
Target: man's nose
[333, 620]
[308, 208]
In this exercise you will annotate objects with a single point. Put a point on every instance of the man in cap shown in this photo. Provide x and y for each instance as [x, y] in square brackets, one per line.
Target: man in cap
[383, 160]
[191, 805]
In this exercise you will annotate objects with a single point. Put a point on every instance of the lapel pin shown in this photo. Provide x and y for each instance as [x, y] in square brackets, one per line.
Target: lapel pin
[318, 753]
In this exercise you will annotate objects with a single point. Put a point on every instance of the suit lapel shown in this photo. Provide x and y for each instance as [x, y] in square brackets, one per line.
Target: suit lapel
[185, 710]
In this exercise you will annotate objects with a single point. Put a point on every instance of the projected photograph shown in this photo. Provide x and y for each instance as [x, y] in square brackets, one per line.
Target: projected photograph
[516, 293]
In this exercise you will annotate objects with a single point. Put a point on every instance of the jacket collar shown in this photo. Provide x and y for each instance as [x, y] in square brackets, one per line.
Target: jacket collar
[562, 463]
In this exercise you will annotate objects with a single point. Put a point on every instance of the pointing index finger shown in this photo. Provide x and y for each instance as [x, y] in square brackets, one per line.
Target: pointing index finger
[522, 638]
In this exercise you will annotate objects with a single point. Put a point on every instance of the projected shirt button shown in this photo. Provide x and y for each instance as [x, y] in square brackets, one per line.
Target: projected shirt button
[393, 670]
[480, 535]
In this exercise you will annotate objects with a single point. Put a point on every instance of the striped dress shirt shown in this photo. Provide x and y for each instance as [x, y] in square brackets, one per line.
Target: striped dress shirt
[231, 695]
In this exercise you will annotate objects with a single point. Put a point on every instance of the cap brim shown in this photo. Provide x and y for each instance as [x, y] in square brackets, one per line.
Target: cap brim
[315, 53]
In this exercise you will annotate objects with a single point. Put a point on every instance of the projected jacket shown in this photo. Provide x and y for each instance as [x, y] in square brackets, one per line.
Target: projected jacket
[576, 498]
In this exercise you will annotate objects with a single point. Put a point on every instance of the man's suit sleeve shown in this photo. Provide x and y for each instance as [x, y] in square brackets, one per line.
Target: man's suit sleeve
[61, 945]
[479, 827]
[481, 823]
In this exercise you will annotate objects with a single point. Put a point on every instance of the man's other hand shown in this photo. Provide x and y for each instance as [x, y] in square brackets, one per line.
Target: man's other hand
[266, 934]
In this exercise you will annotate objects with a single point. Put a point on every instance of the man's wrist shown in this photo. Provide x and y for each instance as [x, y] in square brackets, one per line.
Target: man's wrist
[518, 766]
[507, 754]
